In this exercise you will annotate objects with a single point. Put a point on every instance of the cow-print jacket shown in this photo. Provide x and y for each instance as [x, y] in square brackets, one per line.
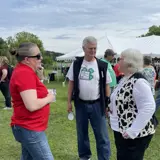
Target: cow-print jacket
[126, 107]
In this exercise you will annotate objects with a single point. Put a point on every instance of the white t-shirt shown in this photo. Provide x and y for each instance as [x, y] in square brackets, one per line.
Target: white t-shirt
[88, 80]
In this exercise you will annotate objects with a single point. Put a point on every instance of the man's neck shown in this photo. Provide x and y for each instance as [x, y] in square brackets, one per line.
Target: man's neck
[147, 66]
[89, 59]
[107, 59]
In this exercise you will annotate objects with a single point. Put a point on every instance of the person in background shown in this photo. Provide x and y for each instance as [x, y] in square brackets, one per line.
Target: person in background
[132, 109]
[89, 79]
[149, 72]
[108, 57]
[31, 104]
[158, 100]
[119, 74]
[158, 92]
[4, 81]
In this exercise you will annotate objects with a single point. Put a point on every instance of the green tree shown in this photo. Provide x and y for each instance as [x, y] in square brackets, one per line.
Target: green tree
[153, 30]
[3, 47]
[10, 42]
[48, 62]
[4, 50]
[14, 42]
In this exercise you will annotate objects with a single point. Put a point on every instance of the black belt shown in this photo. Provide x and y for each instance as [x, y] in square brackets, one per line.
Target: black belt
[89, 101]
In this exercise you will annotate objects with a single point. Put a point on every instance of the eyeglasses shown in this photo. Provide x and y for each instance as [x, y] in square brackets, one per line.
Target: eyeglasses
[38, 56]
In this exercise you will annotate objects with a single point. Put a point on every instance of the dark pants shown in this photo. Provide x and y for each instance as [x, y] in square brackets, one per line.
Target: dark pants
[131, 149]
[4, 87]
[92, 112]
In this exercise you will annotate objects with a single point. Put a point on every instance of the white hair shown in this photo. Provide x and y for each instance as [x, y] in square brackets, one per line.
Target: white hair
[89, 39]
[134, 59]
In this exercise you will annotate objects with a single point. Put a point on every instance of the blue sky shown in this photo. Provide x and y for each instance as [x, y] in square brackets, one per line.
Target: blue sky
[62, 24]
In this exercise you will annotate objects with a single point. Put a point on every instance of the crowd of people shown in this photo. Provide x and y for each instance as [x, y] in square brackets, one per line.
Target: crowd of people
[101, 91]
[123, 94]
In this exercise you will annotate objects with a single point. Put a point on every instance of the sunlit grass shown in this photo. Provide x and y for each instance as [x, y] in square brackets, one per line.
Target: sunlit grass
[61, 133]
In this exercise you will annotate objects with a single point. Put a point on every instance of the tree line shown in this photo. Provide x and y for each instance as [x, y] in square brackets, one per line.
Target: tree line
[48, 56]
[153, 30]
[17, 39]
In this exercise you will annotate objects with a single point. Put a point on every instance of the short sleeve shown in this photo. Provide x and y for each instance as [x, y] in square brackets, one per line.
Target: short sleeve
[26, 81]
[70, 73]
[108, 78]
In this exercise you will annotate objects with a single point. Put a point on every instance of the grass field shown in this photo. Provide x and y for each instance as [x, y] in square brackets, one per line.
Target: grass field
[61, 133]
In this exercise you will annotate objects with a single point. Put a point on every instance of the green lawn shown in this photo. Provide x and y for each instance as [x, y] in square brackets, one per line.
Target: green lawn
[61, 133]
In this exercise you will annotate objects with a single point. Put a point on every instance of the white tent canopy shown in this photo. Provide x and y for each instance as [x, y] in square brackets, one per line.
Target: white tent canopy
[147, 45]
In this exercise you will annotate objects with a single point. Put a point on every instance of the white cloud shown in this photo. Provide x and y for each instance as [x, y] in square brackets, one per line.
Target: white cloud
[154, 18]
[74, 35]
[76, 19]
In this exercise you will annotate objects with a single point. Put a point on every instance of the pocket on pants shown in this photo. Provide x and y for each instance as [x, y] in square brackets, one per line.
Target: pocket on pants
[17, 133]
[29, 135]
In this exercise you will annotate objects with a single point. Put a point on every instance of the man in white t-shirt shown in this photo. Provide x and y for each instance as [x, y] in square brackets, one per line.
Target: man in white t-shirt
[89, 79]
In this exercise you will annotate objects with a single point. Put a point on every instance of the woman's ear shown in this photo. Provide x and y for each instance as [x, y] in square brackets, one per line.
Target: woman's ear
[26, 60]
[129, 65]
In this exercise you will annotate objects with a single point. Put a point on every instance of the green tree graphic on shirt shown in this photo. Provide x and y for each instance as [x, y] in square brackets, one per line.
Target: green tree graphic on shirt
[90, 70]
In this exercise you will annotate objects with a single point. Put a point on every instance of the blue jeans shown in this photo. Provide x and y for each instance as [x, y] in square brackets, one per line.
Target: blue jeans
[34, 144]
[92, 112]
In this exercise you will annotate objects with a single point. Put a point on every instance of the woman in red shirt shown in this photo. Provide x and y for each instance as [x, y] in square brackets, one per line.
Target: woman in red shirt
[30, 104]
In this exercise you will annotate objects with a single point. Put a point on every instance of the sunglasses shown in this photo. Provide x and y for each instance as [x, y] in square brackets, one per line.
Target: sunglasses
[38, 56]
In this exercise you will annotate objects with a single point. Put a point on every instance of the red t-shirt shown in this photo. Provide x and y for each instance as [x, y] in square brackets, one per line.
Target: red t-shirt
[116, 70]
[24, 78]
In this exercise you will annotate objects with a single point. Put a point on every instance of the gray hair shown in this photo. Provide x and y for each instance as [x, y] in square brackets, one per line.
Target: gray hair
[89, 39]
[25, 49]
[134, 59]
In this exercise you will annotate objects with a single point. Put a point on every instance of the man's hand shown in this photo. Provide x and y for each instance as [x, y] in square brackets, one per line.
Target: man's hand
[69, 107]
